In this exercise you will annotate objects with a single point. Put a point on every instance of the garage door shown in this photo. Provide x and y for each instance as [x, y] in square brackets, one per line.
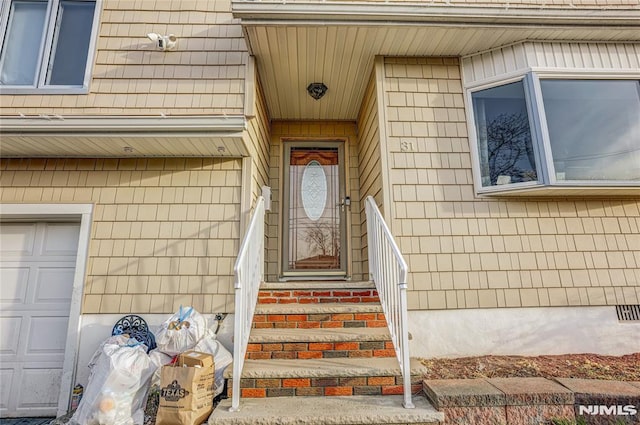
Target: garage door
[37, 264]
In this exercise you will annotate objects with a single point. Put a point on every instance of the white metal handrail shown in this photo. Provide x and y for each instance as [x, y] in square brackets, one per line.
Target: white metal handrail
[389, 272]
[249, 272]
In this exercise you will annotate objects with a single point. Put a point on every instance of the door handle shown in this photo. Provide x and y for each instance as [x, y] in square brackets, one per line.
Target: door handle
[345, 202]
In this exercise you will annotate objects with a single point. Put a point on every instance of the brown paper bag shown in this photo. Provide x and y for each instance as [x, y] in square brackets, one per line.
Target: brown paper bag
[186, 390]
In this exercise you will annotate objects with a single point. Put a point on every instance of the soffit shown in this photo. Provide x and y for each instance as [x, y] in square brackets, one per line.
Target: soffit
[293, 51]
[121, 136]
[98, 146]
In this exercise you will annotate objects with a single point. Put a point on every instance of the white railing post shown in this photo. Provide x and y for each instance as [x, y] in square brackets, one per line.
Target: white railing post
[388, 270]
[248, 271]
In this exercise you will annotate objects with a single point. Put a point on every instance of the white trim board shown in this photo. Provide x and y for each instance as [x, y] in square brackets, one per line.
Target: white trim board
[76, 212]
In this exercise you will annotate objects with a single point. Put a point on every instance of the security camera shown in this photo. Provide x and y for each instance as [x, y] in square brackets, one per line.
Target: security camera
[163, 42]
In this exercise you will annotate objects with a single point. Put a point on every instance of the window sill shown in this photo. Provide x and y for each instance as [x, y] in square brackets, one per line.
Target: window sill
[563, 191]
[43, 90]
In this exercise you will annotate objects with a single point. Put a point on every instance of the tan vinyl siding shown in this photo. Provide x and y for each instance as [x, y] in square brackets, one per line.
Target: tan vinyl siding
[258, 129]
[470, 252]
[204, 76]
[521, 57]
[165, 232]
[259, 139]
[314, 130]
[369, 163]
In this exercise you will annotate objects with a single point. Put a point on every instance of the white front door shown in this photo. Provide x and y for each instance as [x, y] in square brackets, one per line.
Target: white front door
[37, 265]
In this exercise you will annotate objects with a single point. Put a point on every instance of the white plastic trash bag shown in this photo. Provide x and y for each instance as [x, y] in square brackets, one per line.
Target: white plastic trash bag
[159, 359]
[225, 332]
[118, 384]
[221, 358]
[181, 332]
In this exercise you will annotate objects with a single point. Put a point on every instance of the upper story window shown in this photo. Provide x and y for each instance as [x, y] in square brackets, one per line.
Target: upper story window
[47, 45]
[545, 130]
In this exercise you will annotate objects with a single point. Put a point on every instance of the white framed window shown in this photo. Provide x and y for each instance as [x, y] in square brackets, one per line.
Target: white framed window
[543, 129]
[47, 45]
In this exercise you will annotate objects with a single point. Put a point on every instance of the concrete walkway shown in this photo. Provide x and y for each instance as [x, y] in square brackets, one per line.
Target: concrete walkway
[361, 410]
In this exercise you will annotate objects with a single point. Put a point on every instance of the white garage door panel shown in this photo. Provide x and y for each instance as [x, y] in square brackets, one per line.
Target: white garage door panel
[17, 240]
[6, 376]
[10, 331]
[14, 284]
[47, 335]
[39, 390]
[37, 268]
[60, 239]
[54, 285]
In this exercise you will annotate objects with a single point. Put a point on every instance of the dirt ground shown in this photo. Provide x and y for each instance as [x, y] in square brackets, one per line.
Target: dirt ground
[587, 366]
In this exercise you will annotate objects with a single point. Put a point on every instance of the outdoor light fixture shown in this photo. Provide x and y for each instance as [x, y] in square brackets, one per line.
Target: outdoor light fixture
[163, 42]
[316, 90]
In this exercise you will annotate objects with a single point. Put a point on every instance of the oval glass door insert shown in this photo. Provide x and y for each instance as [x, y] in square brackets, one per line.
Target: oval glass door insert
[314, 190]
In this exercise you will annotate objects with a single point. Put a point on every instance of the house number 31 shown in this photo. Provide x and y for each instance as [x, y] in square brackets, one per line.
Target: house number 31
[406, 146]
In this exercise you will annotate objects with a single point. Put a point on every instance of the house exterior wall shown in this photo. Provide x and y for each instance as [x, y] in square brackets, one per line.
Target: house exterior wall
[130, 77]
[301, 130]
[369, 159]
[467, 252]
[258, 134]
[165, 232]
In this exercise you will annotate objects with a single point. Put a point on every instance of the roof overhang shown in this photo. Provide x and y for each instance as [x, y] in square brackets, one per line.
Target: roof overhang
[118, 136]
[297, 43]
[429, 13]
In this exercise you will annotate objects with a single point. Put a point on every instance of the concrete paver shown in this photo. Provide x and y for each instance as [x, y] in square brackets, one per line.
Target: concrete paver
[463, 393]
[532, 391]
[599, 387]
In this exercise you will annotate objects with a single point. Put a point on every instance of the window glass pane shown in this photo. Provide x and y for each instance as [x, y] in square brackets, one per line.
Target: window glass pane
[594, 128]
[21, 49]
[504, 138]
[68, 61]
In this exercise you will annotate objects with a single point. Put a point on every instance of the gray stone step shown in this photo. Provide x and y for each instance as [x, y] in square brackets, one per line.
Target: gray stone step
[319, 335]
[324, 368]
[352, 410]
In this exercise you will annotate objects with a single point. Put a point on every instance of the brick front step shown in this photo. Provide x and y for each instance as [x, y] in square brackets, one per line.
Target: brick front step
[318, 296]
[316, 292]
[311, 387]
[315, 316]
[319, 343]
[324, 377]
[320, 350]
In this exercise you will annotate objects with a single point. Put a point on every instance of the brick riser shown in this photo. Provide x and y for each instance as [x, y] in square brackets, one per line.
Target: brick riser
[319, 320]
[309, 387]
[320, 350]
[318, 297]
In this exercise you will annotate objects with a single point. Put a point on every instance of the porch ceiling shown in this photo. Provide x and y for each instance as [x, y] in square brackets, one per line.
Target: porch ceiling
[297, 44]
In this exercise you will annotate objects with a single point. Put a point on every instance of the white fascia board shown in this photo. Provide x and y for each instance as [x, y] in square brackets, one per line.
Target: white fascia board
[387, 13]
[37, 124]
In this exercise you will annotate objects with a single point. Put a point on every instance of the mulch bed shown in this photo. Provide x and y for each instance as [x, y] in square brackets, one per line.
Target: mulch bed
[586, 366]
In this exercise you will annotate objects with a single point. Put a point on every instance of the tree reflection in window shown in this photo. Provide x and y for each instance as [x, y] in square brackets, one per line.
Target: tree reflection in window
[504, 137]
